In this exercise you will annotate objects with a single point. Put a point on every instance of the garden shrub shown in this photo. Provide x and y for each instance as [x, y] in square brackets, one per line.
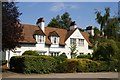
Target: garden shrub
[87, 65]
[60, 58]
[69, 65]
[30, 52]
[84, 56]
[109, 66]
[33, 64]
[78, 65]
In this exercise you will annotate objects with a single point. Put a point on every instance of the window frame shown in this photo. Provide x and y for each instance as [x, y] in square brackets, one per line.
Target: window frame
[72, 41]
[81, 42]
[40, 38]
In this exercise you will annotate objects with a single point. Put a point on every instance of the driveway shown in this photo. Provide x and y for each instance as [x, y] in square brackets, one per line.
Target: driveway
[101, 75]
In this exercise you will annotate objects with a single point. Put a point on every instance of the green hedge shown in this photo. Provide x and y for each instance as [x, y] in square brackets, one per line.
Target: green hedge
[47, 64]
[87, 65]
[109, 66]
[78, 65]
[85, 56]
[30, 52]
[33, 64]
[60, 58]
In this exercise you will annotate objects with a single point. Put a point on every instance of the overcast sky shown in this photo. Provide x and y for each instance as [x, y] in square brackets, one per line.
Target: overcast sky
[81, 12]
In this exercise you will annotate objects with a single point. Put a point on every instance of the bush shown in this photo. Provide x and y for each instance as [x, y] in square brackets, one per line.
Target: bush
[106, 51]
[78, 65]
[84, 56]
[109, 66]
[69, 65]
[60, 58]
[33, 64]
[30, 52]
[87, 65]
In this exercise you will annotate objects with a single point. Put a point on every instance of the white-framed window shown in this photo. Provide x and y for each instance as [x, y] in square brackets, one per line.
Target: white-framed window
[40, 38]
[54, 53]
[55, 40]
[72, 41]
[81, 42]
[81, 53]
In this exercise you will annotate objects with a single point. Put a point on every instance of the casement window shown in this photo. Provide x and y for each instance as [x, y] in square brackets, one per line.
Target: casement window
[72, 41]
[81, 42]
[81, 53]
[40, 38]
[54, 40]
[54, 54]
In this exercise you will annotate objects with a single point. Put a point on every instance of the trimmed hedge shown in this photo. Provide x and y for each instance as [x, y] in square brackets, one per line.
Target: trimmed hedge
[30, 52]
[78, 65]
[47, 64]
[111, 66]
[60, 58]
[33, 64]
[85, 56]
[87, 65]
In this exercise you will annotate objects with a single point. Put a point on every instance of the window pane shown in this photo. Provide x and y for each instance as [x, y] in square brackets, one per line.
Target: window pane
[72, 41]
[81, 42]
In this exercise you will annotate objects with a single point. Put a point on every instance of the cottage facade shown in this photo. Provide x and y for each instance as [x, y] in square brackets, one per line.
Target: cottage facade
[51, 41]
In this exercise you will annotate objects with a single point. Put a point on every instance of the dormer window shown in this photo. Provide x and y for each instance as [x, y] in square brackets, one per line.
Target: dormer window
[39, 38]
[54, 37]
[55, 40]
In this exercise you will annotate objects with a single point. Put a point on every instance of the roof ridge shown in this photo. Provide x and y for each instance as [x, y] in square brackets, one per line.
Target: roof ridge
[29, 24]
[55, 28]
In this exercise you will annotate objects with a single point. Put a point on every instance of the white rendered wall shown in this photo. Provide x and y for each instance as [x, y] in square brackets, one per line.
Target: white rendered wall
[53, 48]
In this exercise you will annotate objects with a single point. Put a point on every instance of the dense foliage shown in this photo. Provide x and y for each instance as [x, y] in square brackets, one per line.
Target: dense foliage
[106, 50]
[109, 26]
[11, 31]
[33, 64]
[30, 52]
[73, 50]
[60, 58]
[87, 65]
[63, 21]
[85, 56]
[47, 64]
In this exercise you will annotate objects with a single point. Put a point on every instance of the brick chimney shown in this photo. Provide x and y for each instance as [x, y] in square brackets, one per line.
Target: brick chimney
[73, 25]
[41, 23]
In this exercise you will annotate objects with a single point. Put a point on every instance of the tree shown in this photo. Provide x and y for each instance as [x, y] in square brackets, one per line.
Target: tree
[63, 21]
[11, 28]
[106, 50]
[112, 29]
[66, 20]
[73, 50]
[55, 22]
[102, 20]
[109, 27]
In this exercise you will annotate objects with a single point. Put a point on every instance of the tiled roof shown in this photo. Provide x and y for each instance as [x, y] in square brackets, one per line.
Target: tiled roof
[86, 36]
[61, 32]
[39, 32]
[54, 33]
[30, 30]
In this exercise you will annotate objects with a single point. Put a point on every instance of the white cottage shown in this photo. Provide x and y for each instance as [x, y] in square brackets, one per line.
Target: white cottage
[51, 41]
